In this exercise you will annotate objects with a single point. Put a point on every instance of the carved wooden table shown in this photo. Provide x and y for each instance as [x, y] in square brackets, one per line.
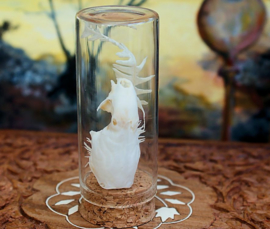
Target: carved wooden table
[231, 181]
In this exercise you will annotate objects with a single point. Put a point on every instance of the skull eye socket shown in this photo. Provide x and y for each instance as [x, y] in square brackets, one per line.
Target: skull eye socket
[125, 83]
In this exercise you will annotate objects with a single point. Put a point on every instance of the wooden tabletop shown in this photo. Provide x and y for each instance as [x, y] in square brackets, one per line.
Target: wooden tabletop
[238, 173]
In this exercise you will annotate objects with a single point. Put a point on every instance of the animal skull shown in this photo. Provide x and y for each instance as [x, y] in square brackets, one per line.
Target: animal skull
[122, 104]
[115, 149]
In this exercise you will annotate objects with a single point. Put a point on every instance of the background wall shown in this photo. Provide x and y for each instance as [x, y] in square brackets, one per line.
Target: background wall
[37, 71]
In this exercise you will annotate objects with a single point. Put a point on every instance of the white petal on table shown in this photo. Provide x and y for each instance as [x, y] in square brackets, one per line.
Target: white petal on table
[75, 185]
[73, 210]
[64, 202]
[159, 187]
[70, 193]
[173, 201]
[170, 193]
[165, 213]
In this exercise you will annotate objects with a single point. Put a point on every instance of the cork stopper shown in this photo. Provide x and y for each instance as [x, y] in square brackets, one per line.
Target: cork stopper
[119, 207]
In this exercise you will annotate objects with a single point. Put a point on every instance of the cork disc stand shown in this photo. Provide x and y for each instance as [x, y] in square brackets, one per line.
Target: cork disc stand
[119, 207]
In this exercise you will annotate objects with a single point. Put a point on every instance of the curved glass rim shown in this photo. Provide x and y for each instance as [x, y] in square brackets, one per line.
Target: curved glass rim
[143, 14]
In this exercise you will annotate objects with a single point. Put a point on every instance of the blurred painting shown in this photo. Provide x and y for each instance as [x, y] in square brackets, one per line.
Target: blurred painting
[38, 80]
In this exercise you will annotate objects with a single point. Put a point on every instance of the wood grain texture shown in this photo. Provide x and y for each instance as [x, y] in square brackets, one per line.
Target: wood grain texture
[130, 213]
[237, 173]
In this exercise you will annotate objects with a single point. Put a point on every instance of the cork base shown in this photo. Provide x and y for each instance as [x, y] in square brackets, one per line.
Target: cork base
[119, 207]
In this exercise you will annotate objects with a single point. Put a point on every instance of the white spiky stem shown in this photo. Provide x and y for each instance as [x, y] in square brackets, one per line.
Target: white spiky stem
[127, 69]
